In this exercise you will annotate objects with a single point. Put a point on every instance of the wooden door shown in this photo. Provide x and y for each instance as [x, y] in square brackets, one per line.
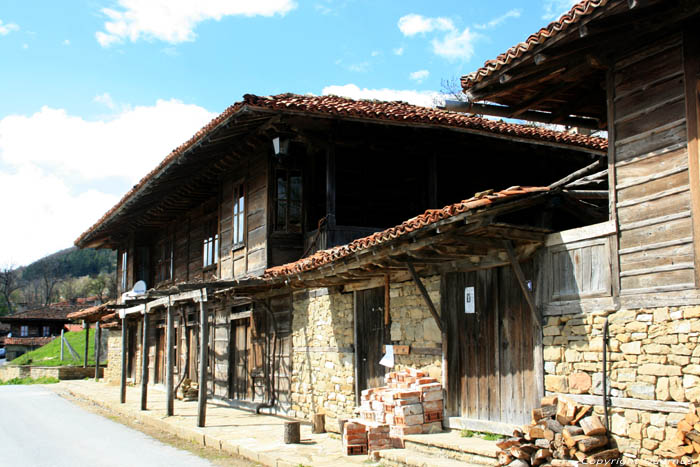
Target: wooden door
[370, 335]
[491, 373]
[131, 336]
[160, 356]
[238, 359]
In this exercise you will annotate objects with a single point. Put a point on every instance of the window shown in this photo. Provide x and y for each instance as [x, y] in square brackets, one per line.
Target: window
[45, 331]
[288, 201]
[238, 216]
[211, 243]
[124, 261]
[24, 331]
[165, 260]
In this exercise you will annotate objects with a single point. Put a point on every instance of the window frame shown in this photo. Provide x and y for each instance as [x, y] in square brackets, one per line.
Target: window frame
[46, 331]
[210, 243]
[285, 226]
[23, 330]
[165, 261]
[125, 263]
[238, 217]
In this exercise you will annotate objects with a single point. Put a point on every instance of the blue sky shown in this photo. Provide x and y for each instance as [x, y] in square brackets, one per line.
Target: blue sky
[95, 93]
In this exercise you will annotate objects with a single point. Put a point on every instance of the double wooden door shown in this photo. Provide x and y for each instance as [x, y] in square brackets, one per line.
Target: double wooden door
[370, 335]
[491, 373]
[239, 353]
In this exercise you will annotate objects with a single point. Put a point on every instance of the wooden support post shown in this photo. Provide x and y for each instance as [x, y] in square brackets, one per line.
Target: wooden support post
[387, 300]
[292, 432]
[612, 181]
[169, 362]
[357, 353]
[86, 327]
[122, 383]
[318, 424]
[691, 63]
[62, 344]
[425, 295]
[98, 348]
[521, 281]
[203, 345]
[330, 188]
[144, 363]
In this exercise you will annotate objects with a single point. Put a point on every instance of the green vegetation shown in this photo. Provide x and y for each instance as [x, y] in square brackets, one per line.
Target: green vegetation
[28, 380]
[50, 354]
[73, 262]
[481, 434]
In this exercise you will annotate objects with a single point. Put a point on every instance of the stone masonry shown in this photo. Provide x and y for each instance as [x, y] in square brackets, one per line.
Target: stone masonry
[654, 356]
[113, 370]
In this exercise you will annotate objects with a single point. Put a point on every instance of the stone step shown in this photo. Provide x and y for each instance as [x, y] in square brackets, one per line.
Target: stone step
[450, 445]
[410, 458]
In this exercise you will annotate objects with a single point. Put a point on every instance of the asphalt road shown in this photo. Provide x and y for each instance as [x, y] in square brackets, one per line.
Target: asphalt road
[39, 429]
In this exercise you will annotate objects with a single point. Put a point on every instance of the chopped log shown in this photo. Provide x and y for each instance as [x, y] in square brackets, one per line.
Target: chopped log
[692, 418]
[580, 455]
[693, 435]
[318, 423]
[543, 443]
[549, 400]
[292, 432]
[563, 463]
[592, 426]
[548, 435]
[504, 458]
[535, 431]
[566, 410]
[507, 443]
[684, 426]
[581, 412]
[540, 456]
[545, 411]
[570, 435]
[606, 455]
[558, 440]
[519, 453]
[517, 433]
[553, 425]
[589, 443]
[518, 463]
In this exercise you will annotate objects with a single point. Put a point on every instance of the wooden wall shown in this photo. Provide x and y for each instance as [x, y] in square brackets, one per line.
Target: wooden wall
[651, 169]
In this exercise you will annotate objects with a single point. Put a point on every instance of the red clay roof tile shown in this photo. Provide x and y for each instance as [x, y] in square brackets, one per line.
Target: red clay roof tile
[431, 216]
[373, 110]
[578, 11]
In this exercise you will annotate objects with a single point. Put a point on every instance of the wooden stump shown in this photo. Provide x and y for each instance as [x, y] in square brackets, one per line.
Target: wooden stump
[319, 423]
[292, 432]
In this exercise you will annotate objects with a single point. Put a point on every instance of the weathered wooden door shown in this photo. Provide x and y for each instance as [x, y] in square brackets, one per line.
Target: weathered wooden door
[132, 335]
[238, 359]
[491, 373]
[370, 333]
[160, 356]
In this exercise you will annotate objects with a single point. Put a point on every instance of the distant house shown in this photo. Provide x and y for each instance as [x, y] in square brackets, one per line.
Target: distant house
[34, 328]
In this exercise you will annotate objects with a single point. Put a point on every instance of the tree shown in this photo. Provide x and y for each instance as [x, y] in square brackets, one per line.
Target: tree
[9, 282]
[49, 277]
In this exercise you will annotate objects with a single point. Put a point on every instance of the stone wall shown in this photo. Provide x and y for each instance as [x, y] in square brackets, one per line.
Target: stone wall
[323, 368]
[654, 356]
[113, 371]
[59, 372]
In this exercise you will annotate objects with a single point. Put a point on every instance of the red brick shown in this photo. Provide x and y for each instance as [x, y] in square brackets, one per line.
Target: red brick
[432, 406]
[432, 427]
[397, 442]
[432, 416]
[355, 450]
[402, 430]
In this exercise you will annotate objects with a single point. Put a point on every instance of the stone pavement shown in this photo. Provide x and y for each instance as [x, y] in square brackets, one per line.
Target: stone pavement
[255, 437]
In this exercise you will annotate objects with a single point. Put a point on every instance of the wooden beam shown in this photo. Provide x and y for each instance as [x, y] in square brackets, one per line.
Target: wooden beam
[426, 297]
[330, 187]
[122, 383]
[356, 337]
[144, 363]
[86, 326]
[169, 362]
[387, 300]
[203, 347]
[98, 348]
[578, 174]
[691, 49]
[521, 281]
[612, 181]
[588, 194]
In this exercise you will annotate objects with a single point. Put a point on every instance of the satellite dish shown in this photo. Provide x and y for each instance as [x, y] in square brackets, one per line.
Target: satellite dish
[139, 288]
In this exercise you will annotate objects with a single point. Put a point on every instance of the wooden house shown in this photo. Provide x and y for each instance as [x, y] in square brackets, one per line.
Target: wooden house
[631, 68]
[294, 236]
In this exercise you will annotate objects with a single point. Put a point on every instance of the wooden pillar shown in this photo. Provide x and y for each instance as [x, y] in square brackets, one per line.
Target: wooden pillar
[203, 345]
[62, 344]
[292, 432]
[86, 326]
[691, 65]
[122, 384]
[144, 363]
[98, 349]
[330, 188]
[357, 353]
[169, 362]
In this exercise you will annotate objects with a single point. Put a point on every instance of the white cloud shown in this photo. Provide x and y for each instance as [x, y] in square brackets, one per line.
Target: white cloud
[413, 24]
[66, 42]
[6, 28]
[25, 46]
[398, 51]
[174, 21]
[496, 21]
[424, 98]
[419, 75]
[555, 8]
[376, 53]
[106, 100]
[455, 45]
[62, 172]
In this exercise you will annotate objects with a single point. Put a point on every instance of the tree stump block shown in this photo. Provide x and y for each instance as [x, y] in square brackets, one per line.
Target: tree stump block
[318, 423]
[292, 432]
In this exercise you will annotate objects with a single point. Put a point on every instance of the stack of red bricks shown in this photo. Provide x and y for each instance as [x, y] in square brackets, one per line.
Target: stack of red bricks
[410, 403]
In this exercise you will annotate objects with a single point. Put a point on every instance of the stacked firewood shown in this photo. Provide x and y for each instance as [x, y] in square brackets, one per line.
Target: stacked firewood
[687, 440]
[189, 390]
[410, 403]
[562, 434]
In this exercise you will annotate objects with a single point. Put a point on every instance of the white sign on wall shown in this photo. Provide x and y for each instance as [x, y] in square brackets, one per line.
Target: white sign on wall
[469, 300]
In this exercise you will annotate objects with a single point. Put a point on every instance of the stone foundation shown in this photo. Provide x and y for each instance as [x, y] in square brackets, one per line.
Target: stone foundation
[653, 356]
[113, 371]
[59, 372]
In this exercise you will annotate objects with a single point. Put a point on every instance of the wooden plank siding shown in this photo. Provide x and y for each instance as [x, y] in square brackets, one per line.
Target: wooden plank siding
[653, 199]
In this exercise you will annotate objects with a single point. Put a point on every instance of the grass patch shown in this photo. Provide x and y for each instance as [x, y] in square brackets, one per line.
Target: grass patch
[28, 380]
[481, 434]
[50, 354]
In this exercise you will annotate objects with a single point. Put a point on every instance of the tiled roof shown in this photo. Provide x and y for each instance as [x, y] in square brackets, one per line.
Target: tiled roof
[578, 11]
[39, 341]
[50, 312]
[379, 111]
[431, 216]
[90, 311]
